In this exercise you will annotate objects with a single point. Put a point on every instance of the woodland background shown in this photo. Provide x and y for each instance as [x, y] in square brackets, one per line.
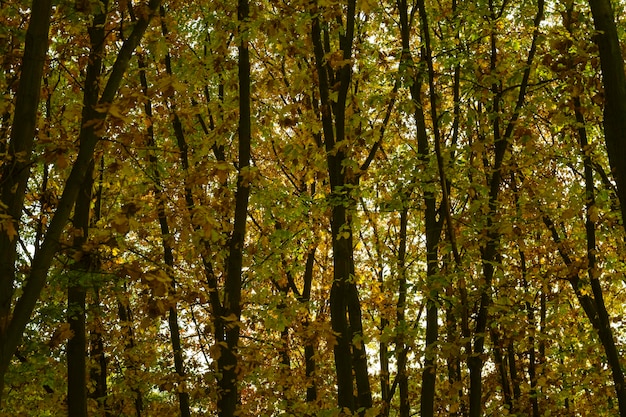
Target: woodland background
[312, 208]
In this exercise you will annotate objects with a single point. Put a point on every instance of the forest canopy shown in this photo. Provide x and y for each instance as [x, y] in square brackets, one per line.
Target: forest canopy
[312, 208]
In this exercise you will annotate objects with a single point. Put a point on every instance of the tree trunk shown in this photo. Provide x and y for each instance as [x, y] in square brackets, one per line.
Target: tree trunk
[168, 254]
[16, 170]
[227, 363]
[432, 226]
[614, 80]
[309, 344]
[402, 376]
[98, 372]
[350, 355]
[604, 323]
[76, 314]
[77, 290]
[126, 319]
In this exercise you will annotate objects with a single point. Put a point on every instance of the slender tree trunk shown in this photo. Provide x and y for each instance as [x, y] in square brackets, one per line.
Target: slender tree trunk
[454, 360]
[16, 170]
[612, 63]
[432, 225]
[489, 252]
[309, 343]
[76, 313]
[126, 319]
[614, 80]
[227, 363]
[77, 290]
[515, 380]
[341, 239]
[530, 314]
[604, 323]
[344, 301]
[98, 371]
[168, 254]
[500, 363]
[383, 358]
[402, 376]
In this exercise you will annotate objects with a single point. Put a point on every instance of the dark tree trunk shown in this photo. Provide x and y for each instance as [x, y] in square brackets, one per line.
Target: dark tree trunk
[490, 250]
[126, 319]
[168, 255]
[309, 344]
[603, 321]
[502, 368]
[515, 380]
[79, 280]
[76, 313]
[344, 300]
[98, 372]
[432, 226]
[612, 64]
[402, 376]
[16, 170]
[454, 360]
[228, 398]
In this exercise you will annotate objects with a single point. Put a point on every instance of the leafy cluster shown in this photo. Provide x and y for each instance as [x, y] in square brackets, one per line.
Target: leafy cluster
[426, 223]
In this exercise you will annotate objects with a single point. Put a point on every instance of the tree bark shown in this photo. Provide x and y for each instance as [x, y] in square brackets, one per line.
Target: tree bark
[76, 314]
[614, 80]
[227, 363]
[16, 170]
[77, 290]
[349, 350]
[604, 323]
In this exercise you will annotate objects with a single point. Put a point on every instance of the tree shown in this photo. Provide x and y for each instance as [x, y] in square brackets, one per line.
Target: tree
[309, 208]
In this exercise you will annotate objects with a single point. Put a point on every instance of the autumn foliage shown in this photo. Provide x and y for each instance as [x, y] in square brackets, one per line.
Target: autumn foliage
[312, 208]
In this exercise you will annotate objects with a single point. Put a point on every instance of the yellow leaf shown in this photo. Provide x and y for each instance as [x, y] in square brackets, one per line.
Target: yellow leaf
[230, 317]
[594, 213]
[9, 227]
[116, 112]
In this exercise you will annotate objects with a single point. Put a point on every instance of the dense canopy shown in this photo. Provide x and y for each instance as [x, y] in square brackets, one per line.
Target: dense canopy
[312, 208]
